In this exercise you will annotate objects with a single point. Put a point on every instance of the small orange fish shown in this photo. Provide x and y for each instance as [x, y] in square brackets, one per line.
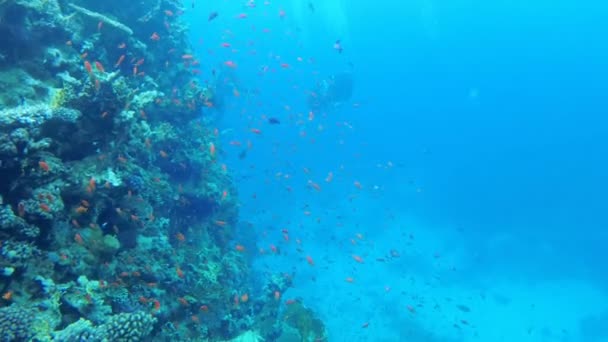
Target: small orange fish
[168, 13]
[78, 239]
[156, 305]
[212, 150]
[310, 261]
[163, 154]
[204, 308]
[122, 45]
[88, 67]
[220, 223]
[358, 259]
[92, 185]
[155, 37]
[45, 207]
[44, 166]
[180, 237]
[256, 131]
[240, 248]
[245, 298]
[179, 272]
[99, 67]
[119, 61]
[277, 295]
[99, 26]
[187, 56]
[81, 209]
[349, 280]
[8, 295]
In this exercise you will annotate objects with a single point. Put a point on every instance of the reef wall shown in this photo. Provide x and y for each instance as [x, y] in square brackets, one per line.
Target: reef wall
[115, 214]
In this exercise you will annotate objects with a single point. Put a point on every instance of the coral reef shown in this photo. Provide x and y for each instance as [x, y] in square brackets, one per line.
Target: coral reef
[116, 218]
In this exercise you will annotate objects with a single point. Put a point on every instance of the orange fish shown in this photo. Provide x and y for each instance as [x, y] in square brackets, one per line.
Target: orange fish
[277, 295]
[256, 131]
[8, 295]
[245, 298]
[240, 248]
[99, 67]
[309, 260]
[45, 207]
[119, 61]
[78, 239]
[212, 150]
[122, 45]
[163, 154]
[44, 166]
[220, 223]
[179, 272]
[155, 37]
[358, 259]
[180, 237]
[88, 67]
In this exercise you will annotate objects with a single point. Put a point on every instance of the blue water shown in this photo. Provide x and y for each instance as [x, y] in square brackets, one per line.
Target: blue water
[477, 131]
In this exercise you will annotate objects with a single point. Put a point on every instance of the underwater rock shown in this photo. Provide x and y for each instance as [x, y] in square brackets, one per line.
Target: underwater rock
[98, 17]
[305, 322]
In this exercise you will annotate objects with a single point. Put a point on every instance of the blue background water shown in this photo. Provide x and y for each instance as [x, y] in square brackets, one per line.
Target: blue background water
[494, 116]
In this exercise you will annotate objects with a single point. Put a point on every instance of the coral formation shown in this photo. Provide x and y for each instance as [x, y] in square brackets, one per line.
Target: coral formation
[116, 219]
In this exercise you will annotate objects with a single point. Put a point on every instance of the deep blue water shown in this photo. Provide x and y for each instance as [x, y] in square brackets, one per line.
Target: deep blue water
[494, 117]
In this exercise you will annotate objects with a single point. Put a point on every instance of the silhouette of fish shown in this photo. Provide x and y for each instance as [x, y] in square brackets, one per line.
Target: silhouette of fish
[212, 16]
[274, 121]
[338, 46]
[311, 7]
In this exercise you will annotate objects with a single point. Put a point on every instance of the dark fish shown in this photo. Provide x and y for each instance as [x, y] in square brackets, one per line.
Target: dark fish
[338, 46]
[212, 16]
[311, 7]
[274, 121]
[463, 308]
[243, 154]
